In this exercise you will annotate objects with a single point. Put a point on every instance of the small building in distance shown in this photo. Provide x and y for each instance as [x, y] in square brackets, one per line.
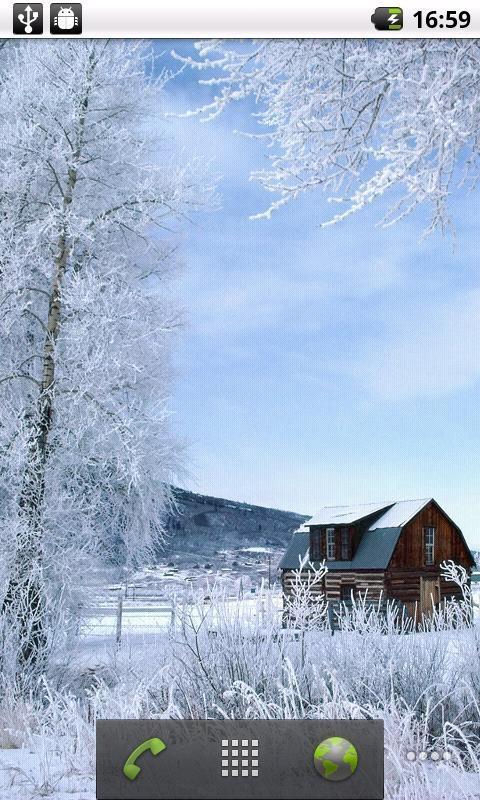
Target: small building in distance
[393, 550]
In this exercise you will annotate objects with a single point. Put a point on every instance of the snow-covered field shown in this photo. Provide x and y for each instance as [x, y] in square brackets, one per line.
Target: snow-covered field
[229, 656]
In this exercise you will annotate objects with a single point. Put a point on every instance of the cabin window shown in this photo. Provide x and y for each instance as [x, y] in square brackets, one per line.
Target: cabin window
[330, 544]
[315, 545]
[429, 545]
[345, 539]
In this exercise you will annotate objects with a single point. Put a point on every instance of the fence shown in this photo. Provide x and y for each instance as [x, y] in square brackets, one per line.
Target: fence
[140, 614]
[115, 619]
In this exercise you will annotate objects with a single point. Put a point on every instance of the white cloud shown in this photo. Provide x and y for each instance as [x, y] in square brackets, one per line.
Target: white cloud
[435, 351]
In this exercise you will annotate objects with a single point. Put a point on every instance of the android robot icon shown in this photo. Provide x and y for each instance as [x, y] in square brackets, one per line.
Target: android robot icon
[66, 19]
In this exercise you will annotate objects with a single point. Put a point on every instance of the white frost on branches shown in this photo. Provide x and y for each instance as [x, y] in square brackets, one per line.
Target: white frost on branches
[305, 604]
[89, 206]
[356, 118]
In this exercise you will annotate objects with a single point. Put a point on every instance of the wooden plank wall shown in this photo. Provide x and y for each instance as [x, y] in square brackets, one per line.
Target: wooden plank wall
[409, 552]
[402, 580]
[407, 566]
[404, 585]
[371, 581]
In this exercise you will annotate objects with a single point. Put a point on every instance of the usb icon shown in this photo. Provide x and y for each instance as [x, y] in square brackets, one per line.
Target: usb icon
[388, 19]
[27, 19]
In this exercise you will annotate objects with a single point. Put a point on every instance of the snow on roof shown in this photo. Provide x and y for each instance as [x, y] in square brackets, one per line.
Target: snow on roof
[399, 514]
[344, 514]
[303, 527]
[396, 514]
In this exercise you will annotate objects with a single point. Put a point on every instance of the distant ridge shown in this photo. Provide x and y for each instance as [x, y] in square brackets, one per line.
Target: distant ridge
[185, 495]
[204, 525]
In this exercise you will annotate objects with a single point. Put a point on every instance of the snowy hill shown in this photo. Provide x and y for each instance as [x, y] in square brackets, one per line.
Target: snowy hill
[203, 524]
[210, 534]
[207, 537]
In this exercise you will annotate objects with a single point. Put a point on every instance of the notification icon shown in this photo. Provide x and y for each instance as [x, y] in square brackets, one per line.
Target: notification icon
[388, 19]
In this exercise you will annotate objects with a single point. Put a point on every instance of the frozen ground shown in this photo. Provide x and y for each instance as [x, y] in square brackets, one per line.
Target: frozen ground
[24, 774]
[424, 685]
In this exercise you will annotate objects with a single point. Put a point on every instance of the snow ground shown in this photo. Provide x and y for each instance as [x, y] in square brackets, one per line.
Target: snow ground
[143, 618]
[41, 771]
[23, 775]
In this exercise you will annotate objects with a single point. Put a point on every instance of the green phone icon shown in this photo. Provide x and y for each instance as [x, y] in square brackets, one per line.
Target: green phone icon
[130, 769]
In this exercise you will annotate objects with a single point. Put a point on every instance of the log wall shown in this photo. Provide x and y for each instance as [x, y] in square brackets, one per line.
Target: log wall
[333, 581]
[407, 578]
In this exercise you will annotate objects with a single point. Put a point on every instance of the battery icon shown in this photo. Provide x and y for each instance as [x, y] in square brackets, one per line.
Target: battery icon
[388, 19]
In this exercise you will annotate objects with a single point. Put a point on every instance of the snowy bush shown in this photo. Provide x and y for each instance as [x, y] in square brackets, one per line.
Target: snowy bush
[231, 657]
[304, 605]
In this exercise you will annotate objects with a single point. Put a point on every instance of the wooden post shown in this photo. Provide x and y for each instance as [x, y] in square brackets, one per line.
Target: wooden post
[262, 609]
[118, 635]
[331, 618]
[172, 613]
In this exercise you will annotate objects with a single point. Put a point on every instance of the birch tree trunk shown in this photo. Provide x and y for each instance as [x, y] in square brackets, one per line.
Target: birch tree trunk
[25, 600]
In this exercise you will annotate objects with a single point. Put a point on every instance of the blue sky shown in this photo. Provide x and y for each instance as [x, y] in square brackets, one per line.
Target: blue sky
[323, 366]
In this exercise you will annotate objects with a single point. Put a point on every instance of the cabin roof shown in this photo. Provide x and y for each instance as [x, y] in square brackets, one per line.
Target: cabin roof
[396, 513]
[400, 513]
[377, 543]
[296, 550]
[374, 551]
[338, 515]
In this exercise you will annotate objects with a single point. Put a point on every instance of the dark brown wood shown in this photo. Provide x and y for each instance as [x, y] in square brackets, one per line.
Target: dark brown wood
[408, 573]
[409, 578]
[318, 540]
[449, 544]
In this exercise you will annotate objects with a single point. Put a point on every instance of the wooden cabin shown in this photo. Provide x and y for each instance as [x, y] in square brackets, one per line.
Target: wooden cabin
[393, 550]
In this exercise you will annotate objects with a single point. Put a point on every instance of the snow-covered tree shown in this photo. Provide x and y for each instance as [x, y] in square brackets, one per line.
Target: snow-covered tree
[89, 202]
[357, 118]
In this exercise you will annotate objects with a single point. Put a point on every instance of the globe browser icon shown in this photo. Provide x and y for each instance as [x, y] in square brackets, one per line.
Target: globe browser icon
[335, 759]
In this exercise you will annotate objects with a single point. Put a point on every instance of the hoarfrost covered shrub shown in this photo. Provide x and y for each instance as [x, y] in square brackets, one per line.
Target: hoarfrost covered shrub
[221, 639]
[304, 605]
[459, 612]
[229, 657]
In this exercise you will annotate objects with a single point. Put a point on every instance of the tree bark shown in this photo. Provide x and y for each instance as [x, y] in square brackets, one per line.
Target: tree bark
[25, 599]
[25, 596]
